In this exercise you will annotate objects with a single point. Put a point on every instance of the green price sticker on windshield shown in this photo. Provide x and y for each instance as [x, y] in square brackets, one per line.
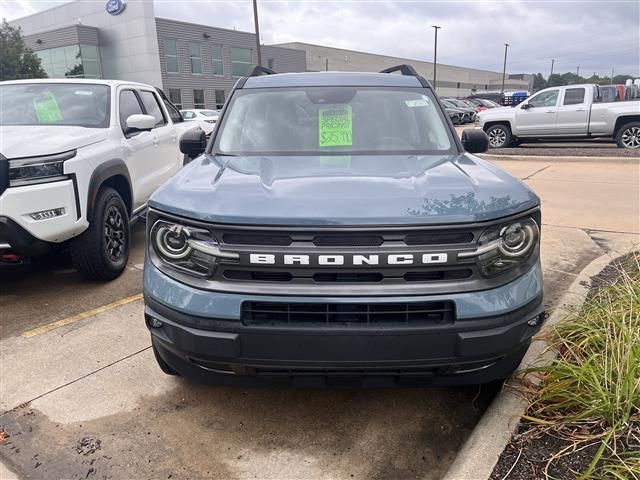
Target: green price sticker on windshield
[47, 109]
[334, 126]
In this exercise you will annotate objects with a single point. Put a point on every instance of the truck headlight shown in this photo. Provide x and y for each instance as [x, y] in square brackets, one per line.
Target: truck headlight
[45, 168]
[506, 246]
[186, 248]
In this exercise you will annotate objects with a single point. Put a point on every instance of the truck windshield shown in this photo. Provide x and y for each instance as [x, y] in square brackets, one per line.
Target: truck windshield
[333, 121]
[68, 104]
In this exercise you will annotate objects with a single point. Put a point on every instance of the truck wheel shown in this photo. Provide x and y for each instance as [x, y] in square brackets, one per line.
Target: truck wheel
[102, 251]
[164, 366]
[628, 135]
[499, 136]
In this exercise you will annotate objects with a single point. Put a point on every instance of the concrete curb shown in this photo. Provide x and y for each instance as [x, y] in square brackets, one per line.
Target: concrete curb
[480, 453]
[7, 473]
[558, 158]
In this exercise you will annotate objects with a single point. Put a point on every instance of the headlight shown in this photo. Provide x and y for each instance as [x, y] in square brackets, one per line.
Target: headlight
[46, 168]
[505, 247]
[189, 249]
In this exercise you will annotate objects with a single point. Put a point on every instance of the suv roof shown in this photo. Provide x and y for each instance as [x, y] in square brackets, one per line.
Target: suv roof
[75, 80]
[331, 79]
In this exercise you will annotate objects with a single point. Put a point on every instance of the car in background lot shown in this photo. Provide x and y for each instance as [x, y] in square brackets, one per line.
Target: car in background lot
[468, 114]
[482, 103]
[455, 115]
[316, 242]
[79, 160]
[568, 112]
[206, 119]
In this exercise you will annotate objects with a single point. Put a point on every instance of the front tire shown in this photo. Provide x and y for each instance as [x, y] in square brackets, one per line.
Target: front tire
[628, 136]
[499, 136]
[102, 251]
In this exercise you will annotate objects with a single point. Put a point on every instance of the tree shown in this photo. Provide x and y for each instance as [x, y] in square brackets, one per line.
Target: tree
[539, 82]
[17, 60]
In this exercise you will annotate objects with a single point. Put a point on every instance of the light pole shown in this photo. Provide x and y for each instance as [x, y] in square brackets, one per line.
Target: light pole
[255, 20]
[504, 66]
[435, 54]
[553, 60]
[578, 71]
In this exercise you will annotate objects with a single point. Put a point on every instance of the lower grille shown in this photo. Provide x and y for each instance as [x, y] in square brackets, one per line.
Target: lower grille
[348, 314]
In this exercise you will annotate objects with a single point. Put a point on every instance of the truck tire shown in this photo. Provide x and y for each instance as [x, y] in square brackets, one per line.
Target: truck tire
[628, 135]
[102, 251]
[499, 136]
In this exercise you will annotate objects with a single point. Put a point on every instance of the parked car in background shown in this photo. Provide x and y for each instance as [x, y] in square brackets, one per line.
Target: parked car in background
[468, 113]
[79, 160]
[206, 119]
[455, 115]
[482, 103]
[568, 112]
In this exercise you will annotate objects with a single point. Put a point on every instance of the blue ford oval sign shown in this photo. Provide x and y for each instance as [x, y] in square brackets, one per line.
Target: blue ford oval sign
[115, 7]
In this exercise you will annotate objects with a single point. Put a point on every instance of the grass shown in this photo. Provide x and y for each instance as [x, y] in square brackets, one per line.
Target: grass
[590, 393]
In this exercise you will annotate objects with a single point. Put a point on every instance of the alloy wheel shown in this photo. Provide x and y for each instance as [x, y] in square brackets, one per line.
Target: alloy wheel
[497, 137]
[631, 137]
[114, 234]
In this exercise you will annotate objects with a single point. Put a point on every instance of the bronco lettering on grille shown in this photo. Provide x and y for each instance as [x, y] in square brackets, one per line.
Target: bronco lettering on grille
[356, 260]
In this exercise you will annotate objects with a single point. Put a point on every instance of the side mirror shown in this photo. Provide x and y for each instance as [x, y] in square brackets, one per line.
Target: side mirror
[140, 123]
[193, 142]
[526, 106]
[475, 140]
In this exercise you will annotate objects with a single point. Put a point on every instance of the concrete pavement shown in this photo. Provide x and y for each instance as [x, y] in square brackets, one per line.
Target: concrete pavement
[87, 399]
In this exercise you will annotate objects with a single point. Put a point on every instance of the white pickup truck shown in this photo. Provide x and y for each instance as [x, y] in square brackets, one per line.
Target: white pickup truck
[78, 161]
[569, 112]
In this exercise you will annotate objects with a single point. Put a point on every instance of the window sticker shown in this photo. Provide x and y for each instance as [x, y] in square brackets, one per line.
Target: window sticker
[335, 126]
[47, 109]
[423, 102]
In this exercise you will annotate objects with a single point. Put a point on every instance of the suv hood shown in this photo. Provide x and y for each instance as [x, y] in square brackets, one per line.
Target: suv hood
[32, 140]
[350, 190]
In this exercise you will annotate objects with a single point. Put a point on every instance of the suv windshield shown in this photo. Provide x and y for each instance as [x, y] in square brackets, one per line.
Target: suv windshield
[69, 104]
[333, 121]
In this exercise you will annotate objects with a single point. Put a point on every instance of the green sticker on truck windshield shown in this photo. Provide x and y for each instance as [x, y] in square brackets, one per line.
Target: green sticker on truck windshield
[334, 126]
[47, 109]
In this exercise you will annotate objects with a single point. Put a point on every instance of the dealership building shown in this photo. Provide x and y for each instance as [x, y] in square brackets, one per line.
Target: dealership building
[197, 65]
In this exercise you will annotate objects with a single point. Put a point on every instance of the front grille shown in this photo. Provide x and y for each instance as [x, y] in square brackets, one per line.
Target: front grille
[347, 314]
[438, 238]
[348, 241]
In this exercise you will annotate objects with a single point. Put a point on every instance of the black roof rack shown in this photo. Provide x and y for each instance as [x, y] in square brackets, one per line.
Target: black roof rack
[404, 69]
[259, 70]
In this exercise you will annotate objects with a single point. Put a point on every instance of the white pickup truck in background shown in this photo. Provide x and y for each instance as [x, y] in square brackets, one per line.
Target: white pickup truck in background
[568, 112]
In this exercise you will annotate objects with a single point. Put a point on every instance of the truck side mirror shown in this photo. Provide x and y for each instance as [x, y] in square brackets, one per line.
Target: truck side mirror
[140, 123]
[475, 140]
[526, 106]
[193, 142]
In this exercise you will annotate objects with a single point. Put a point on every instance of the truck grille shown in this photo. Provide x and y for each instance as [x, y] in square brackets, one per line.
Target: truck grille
[347, 314]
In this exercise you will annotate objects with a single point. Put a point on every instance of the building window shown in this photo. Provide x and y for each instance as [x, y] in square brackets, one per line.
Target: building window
[219, 99]
[270, 63]
[216, 60]
[175, 97]
[240, 61]
[73, 61]
[196, 58]
[171, 55]
[198, 99]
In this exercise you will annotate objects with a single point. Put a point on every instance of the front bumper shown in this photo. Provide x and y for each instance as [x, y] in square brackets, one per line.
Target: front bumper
[206, 340]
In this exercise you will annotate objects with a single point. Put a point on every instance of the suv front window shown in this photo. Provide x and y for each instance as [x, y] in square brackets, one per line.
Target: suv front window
[334, 121]
[77, 104]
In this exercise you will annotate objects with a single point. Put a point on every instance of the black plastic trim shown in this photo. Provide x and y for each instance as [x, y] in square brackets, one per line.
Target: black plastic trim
[21, 240]
[103, 172]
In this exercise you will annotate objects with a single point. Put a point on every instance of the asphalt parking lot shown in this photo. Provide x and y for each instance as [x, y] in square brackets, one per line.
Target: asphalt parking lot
[81, 396]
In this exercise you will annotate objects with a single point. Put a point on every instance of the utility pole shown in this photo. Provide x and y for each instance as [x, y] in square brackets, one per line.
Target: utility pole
[326, 64]
[611, 82]
[553, 60]
[504, 66]
[435, 55]
[578, 71]
[255, 20]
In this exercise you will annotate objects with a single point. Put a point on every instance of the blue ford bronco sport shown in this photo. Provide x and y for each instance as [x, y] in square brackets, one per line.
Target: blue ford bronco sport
[334, 231]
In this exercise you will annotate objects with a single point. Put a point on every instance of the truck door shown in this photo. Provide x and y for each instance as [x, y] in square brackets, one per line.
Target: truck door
[165, 161]
[537, 115]
[573, 112]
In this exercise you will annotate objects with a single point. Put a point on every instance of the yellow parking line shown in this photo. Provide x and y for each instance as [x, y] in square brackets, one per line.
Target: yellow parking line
[81, 316]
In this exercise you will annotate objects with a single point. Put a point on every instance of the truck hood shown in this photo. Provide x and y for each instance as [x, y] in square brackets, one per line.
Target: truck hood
[33, 140]
[349, 190]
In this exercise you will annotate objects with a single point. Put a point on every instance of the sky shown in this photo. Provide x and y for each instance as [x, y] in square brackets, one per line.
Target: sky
[595, 36]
